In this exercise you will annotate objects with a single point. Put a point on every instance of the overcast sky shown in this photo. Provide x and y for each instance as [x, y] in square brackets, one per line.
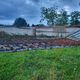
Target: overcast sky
[30, 9]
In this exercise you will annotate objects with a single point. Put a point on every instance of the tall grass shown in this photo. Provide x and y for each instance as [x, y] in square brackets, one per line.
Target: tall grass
[54, 64]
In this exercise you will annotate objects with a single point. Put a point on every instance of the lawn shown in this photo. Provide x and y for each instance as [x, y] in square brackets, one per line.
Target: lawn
[53, 64]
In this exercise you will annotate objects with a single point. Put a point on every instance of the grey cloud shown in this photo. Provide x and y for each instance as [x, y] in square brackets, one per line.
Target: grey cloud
[30, 9]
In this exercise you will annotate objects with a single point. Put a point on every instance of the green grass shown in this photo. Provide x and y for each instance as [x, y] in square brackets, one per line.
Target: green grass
[54, 64]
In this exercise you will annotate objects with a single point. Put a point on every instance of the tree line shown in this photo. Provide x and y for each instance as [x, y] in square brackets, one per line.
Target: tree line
[53, 16]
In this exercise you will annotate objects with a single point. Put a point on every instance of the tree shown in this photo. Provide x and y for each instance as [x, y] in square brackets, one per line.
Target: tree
[62, 18]
[53, 17]
[20, 22]
[75, 18]
[49, 14]
[33, 25]
[40, 25]
[28, 25]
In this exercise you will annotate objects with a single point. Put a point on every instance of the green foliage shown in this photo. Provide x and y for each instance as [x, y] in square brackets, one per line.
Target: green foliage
[49, 14]
[62, 18]
[53, 64]
[75, 18]
[53, 16]
[20, 22]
